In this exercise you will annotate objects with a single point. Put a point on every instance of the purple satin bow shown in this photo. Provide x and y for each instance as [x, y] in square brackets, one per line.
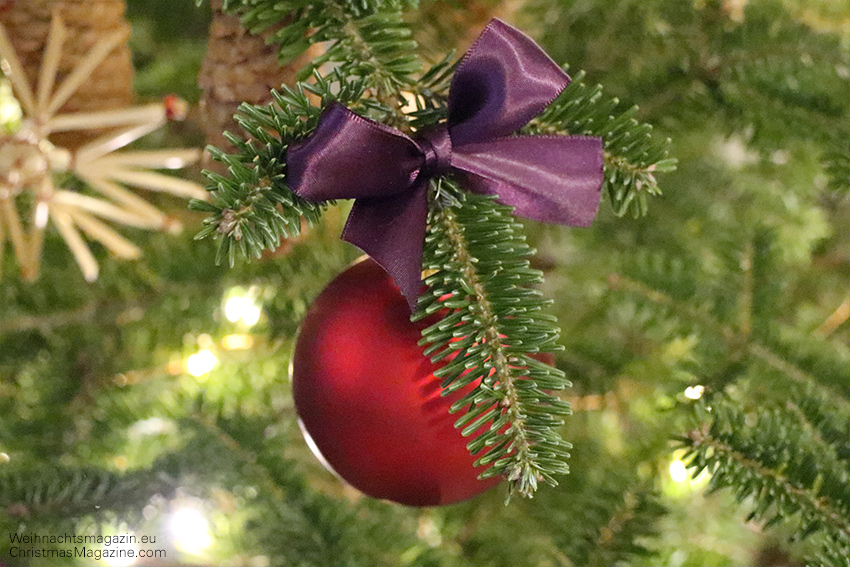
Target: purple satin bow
[503, 81]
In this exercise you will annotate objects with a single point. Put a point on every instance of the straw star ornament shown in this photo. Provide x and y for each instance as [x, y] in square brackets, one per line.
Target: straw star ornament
[34, 172]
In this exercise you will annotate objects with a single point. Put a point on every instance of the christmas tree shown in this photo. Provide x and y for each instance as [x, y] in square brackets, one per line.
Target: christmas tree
[695, 411]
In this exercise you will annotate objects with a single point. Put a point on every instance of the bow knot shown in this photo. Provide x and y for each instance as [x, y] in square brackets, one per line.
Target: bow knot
[501, 83]
[436, 146]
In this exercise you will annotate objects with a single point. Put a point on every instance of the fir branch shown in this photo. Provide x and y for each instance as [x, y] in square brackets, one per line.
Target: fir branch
[46, 492]
[772, 73]
[788, 470]
[823, 433]
[633, 519]
[801, 359]
[830, 558]
[368, 36]
[837, 164]
[47, 323]
[666, 301]
[251, 211]
[300, 525]
[827, 415]
[749, 104]
[479, 277]
[807, 358]
[245, 457]
[632, 154]
[379, 47]
[252, 208]
[814, 88]
[616, 515]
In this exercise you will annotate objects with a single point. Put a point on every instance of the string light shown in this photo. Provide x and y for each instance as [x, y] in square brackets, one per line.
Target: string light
[190, 530]
[678, 471]
[201, 363]
[694, 392]
[242, 309]
[241, 341]
[683, 482]
[151, 426]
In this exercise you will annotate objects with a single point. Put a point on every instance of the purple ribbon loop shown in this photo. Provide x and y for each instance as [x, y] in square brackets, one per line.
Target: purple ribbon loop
[503, 81]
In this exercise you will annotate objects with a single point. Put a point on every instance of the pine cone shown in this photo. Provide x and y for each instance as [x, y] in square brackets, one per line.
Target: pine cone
[238, 67]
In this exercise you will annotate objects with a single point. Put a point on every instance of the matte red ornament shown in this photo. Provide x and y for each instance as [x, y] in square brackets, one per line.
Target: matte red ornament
[368, 398]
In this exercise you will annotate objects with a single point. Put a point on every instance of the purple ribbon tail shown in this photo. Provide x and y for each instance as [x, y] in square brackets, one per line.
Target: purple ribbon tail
[392, 231]
[553, 179]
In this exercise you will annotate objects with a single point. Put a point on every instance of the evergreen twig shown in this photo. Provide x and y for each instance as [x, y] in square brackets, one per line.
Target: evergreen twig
[368, 36]
[837, 164]
[477, 258]
[632, 155]
[792, 471]
[47, 491]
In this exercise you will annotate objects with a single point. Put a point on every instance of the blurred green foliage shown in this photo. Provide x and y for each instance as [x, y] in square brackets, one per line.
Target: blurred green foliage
[732, 281]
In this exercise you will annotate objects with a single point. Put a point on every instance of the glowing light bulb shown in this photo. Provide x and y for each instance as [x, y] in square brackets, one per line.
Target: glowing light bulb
[121, 462]
[190, 530]
[694, 392]
[242, 309]
[151, 426]
[202, 362]
[239, 341]
[678, 471]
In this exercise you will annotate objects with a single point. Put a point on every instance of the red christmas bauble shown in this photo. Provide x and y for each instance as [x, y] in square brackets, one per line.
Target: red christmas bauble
[368, 398]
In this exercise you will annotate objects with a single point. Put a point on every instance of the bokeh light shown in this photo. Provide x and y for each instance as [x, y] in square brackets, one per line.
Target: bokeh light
[189, 530]
[202, 362]
[242, 309]
[694, 392]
